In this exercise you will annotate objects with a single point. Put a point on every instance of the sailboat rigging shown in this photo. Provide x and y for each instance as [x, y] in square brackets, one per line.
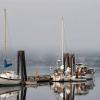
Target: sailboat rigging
[62, 43]
[6, 64]
[62, 39]
[59, 73]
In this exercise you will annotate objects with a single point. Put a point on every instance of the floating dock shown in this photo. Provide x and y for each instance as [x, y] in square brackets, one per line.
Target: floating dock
[31, 80]
[42, 78]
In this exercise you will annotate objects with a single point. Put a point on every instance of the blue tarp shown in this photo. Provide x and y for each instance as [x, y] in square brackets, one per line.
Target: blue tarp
[7, 64]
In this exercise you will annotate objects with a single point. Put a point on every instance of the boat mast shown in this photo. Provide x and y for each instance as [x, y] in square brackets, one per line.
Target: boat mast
[5, 32]
[62, 33]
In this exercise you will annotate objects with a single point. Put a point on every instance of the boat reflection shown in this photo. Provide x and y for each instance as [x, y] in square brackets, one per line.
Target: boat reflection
[68, 91]
[13, 93]
[63, 91]
[84, 88]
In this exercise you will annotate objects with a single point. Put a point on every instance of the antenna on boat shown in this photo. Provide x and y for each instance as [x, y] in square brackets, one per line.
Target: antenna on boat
[62, 37]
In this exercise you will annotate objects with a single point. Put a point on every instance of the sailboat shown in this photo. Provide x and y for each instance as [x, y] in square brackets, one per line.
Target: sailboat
[8, 77]
[59, 73]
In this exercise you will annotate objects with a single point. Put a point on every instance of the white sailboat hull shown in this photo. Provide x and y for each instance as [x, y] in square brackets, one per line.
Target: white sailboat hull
[7, 81]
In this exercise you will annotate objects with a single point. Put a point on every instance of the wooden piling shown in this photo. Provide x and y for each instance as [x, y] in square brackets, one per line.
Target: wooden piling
[21, 64]
[64, 62]
[18, 59]
[69, 61]
[73, 63]
[18, 96]
[23, 93]
[64, 94]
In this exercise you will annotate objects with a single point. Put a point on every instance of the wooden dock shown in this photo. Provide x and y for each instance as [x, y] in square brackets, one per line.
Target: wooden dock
[35, 79]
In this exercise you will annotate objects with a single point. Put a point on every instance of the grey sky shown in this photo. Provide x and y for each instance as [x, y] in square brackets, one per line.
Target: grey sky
[35, 24]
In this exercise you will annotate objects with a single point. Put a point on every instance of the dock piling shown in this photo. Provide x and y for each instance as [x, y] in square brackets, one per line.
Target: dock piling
[69, 61]
[21, 64]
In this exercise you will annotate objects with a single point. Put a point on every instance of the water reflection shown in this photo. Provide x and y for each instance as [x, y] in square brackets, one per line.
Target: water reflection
[13, 93]
[68, 91]
[63, 91]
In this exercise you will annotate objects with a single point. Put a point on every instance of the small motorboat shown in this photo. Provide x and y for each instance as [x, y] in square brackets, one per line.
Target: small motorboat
[84, 71]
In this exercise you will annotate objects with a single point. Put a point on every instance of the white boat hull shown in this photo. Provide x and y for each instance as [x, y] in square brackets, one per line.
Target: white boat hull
[6, 81]
[68, 79]
[88, 76]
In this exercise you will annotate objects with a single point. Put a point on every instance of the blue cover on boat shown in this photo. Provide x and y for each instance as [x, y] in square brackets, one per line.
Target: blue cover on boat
[7, 64]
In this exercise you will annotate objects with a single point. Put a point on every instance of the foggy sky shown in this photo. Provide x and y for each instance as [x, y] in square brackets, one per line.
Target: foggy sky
[36, 24]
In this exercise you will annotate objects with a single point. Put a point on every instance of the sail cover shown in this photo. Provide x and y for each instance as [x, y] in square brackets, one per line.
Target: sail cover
[7, 64]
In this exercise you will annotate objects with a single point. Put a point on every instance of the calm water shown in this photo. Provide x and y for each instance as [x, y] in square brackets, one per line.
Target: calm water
[56, 91]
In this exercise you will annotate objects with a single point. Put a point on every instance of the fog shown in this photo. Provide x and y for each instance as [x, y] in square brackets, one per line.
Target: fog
[35, 25]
